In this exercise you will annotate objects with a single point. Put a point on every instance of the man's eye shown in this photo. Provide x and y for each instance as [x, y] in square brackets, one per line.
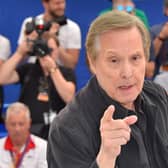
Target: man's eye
[113, 60]
[136, 57]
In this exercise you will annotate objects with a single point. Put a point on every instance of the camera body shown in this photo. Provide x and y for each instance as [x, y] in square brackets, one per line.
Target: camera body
[40, 47]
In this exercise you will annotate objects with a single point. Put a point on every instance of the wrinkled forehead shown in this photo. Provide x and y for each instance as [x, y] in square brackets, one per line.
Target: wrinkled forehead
[17, 116]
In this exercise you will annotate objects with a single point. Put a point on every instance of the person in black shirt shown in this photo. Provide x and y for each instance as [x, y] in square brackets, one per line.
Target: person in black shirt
[46, 87]
[117, 120]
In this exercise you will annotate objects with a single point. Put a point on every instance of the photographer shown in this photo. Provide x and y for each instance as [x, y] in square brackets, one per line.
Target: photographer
[46, 87]
[69, 32]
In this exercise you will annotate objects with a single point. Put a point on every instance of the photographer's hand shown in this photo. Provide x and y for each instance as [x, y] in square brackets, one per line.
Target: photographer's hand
[160, 38]
[23, 48]
[164, 32]
[26, 44]
[66, 89]
[47, 63]
[54, 28]
[8, 70]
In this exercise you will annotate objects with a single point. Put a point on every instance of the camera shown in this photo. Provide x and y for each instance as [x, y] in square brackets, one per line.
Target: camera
[41, 26]
[40, 47]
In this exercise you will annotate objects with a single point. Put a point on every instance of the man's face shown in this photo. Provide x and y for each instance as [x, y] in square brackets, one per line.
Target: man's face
[122, 2]
[18, 126]
[120, 65]
[55, 7]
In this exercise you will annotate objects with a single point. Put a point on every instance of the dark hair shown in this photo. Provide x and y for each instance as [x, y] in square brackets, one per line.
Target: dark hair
[45, 0]
[166, 3]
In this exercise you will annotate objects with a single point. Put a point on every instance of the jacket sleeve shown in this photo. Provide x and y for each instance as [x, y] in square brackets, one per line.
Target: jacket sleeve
[66, 149]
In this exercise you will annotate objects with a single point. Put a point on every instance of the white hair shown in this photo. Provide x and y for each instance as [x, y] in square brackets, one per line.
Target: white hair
[16, 108]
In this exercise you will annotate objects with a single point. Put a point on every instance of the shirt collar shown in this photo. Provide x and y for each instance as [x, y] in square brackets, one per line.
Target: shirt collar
[121, 112]
[9, 146]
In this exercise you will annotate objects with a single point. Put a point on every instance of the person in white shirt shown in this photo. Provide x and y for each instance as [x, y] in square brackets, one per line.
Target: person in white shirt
[5, 51]
[5, 48]
[19, 148]
[69, 34]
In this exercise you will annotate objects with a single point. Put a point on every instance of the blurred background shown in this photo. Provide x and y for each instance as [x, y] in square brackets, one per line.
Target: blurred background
[13, 12]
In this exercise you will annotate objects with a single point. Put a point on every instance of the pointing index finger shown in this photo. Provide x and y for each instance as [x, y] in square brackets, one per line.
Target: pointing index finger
[108, 114]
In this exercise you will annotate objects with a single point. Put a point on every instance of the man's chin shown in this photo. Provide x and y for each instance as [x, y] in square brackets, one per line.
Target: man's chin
[17, 139]
[128, 102]
[58, 14]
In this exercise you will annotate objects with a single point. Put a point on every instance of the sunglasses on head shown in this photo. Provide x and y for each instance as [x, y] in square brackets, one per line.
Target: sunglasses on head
[127, 8]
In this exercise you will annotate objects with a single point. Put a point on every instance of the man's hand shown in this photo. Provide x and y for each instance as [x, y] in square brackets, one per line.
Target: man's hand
[164, 32]
[26, 44]
[54, 28]
[114, 134]
[47, 63]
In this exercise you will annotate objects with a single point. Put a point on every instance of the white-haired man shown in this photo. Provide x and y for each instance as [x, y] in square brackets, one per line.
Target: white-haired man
[20, 149]
[117, 120]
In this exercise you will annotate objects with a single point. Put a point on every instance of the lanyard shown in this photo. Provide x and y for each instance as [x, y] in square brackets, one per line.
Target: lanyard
[18, 163]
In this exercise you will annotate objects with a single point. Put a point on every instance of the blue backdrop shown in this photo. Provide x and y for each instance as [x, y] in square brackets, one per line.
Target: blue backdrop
[12, 13]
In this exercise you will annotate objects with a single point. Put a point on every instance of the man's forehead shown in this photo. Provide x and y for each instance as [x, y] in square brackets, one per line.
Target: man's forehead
[17, 116]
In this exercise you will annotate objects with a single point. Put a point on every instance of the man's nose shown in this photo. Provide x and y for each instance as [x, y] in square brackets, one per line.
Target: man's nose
[17, 127]
[126, 70]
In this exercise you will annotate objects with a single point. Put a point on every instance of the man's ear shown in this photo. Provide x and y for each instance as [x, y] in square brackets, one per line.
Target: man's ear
[91, 64]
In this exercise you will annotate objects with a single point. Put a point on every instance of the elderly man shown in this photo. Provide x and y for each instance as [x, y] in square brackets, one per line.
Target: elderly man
[20, 149]
[129, 7]
[117, 120]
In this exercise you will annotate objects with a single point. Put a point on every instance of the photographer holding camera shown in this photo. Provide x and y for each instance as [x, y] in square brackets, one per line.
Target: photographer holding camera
[46, 86]
[69, 34]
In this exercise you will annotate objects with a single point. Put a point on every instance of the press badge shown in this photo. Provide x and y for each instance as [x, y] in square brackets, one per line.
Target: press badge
[43, 90]
[43, 96]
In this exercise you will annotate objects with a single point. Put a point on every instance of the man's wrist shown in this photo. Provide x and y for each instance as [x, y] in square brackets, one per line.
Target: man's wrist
[105, 161]
[53, 69]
